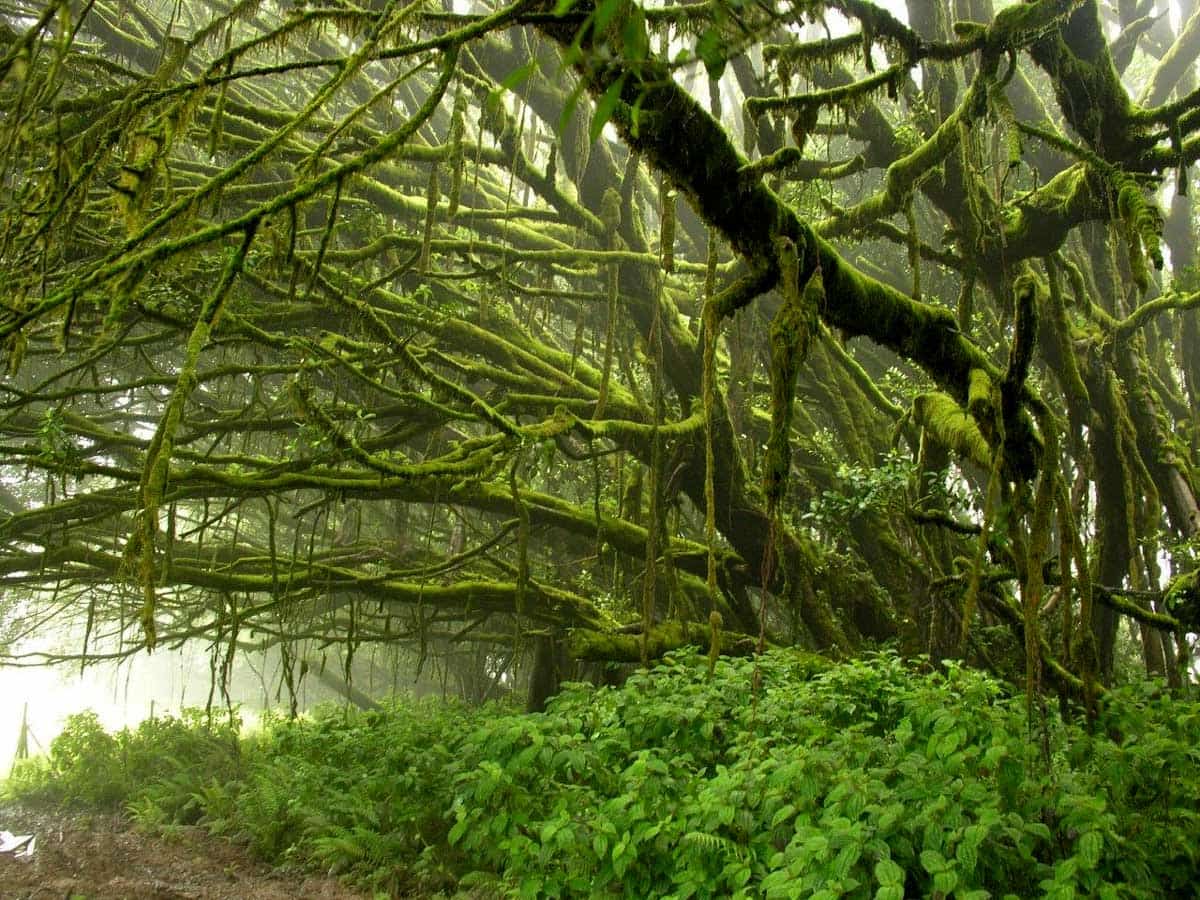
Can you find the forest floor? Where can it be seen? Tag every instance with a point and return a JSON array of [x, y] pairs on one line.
[[103, 857]]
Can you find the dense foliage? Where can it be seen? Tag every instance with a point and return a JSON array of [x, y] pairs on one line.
[[870, 779]]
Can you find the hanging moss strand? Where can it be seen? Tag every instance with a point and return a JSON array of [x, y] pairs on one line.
[[327, 233], [914, 249], [666, 196], [710, 267], [610, 215], [432, 194], [990, 504], [654, 522], [523, 527], [965, 308], [457, 155], [218, 117], [791, 332], [712, 325], [1034, 580]]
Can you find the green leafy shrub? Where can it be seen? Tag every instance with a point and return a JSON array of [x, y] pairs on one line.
[[874, 779], [83, 767], [156, 767], [870, 780]]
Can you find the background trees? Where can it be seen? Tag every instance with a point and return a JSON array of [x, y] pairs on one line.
[[480, 328]]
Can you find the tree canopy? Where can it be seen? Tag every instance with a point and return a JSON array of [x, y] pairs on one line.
[[602, 328]]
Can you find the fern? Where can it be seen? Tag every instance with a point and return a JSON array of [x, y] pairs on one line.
[[701, 842]]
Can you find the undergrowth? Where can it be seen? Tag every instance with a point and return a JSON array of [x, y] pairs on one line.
[[872, 779]]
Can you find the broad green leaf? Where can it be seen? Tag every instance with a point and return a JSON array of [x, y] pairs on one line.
[[710, 47], [973, 836], [1091, 847], [994, 754], [568, 110], [741, 876], [967, 856], [816, 846], [844, 861], [948, 743], [933, 861], [518, 76], [944, 882], [888, 872], [621, 858], [1039, 829], [605, 107], [500, 823], [621, 845], [606, 10], [635, 43], [785, 812]]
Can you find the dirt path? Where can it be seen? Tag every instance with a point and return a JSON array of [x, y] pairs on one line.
[[80, 857]]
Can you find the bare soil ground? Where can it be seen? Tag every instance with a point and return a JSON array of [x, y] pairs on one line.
[[102, 857]]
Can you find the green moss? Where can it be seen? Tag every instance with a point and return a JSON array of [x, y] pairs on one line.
[[952, 426], [590, 644], [1182, 598], [1067, 366], [1020, 355], [1020, 19], [792, 330], [1089, 91], [980, 400], [456, 158], [902, 175], [1143, 227]]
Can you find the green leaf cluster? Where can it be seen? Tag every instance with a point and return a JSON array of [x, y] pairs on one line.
[[860, 490]]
